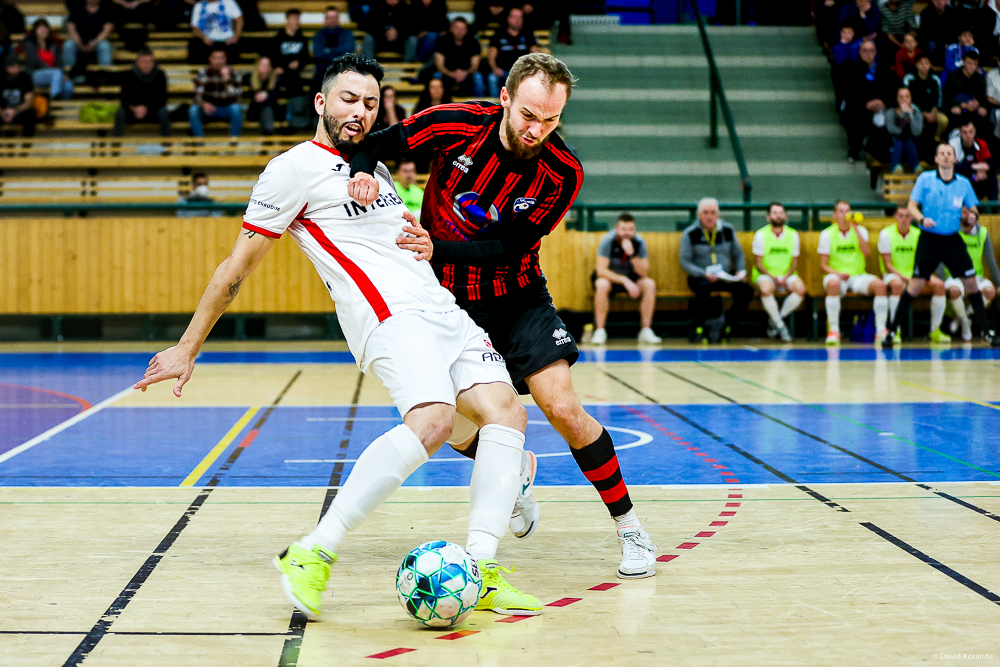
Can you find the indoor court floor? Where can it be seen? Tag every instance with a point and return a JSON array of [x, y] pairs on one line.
[[811, 506]]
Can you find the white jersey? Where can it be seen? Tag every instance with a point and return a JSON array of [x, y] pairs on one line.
[[353, 247]]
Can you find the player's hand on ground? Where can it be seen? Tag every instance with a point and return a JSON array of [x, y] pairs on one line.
[[174, 362], [632, 289], [415, 238], [363, 188]]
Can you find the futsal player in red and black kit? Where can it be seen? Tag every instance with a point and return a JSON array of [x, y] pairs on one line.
[[500, 180]]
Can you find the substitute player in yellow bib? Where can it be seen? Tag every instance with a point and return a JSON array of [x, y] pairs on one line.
[[897, 247], [843, 247], [980, 246], [776, 248]]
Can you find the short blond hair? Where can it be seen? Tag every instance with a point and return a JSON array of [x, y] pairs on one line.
[[553, 71]]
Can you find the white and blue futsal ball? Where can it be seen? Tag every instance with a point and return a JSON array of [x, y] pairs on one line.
[[438, 584]]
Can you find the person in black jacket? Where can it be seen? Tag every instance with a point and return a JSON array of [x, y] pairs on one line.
[[429, 18], [144, 96], [290, 51], [865, 95], [389, 23]]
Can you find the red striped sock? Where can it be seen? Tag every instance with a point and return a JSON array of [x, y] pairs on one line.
[[599, 464]]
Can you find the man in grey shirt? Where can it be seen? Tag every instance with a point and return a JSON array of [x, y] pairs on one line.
[[713, 259], [623, 266]]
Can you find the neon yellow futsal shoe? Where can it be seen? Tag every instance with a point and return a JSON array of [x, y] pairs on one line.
[[499, 596], [303, 576], [939, 337]]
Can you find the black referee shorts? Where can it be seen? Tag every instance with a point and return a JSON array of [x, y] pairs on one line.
[[615, 287], [932, 249], [526, 330]]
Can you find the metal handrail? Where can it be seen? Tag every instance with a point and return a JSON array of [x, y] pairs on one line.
[[718, 98]]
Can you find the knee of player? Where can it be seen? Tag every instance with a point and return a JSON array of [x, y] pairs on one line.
[[878, 288], [954, 292], [833, 287], [647, 284], [602, 286], [563, 412], [896, 287], [989, 293]]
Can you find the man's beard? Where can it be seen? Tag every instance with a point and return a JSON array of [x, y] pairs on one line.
[[519, 150], [334, 130], [778, 223]]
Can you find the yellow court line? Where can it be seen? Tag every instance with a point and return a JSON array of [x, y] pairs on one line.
[[219, 448], [946, 393]]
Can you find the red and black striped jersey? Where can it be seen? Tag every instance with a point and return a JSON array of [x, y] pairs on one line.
[[486, 210]]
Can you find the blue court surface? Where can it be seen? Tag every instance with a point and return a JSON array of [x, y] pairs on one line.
[[784, 442]]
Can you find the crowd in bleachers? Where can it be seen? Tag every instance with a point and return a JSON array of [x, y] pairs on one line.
[[238, 74], [905, 80]]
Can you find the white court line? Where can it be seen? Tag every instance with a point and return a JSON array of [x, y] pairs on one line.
[[59, 428], [642, 439]]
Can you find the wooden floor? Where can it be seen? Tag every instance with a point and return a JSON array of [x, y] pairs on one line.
[[856, 520]]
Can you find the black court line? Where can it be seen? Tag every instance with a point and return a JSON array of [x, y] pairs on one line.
[[103, 625], [297, 624], [809, 435], [936, 564], [975, 508], [690, 422]]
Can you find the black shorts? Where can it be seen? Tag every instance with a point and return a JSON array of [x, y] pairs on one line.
[[932, 249], [615, 287], [527, 331]]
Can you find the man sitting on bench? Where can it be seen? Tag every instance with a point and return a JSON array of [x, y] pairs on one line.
[[623, 266]]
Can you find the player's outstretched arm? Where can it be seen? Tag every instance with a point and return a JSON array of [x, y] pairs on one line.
[[178, 361]]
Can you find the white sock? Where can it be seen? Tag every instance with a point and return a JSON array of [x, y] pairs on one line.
[[627, 520], [791, 304], [938, 304], [833, 313], [380, 470], [893, 304], [496, 478], [958, 305], [771, 306], [881, 308]]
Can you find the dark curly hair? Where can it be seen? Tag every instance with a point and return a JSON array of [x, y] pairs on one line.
[[351, 62]]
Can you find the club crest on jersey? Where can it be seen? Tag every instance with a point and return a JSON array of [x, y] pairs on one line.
[[463, 162], [522, 204], [467, 208]]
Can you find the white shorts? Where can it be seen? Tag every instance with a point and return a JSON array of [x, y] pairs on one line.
[[982, 281], [892, 277], [858, 284], [429, 357], [779, 289]]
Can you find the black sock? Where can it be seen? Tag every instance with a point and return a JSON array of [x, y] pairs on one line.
[[979, 308], [902, 310], [599, 464], [470, 451]]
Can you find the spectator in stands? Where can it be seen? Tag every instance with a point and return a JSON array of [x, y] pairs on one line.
[[543, 14], [389, 23], [253, 20], [489, 14], [842, 249], [865, 90], [926, 92], [430, 19], [954, 55], [390, 111], [143, 97], [262, 87], [623, 268], [17, 97], [11, 18], [43, 60], [827, 15], [217, 93], [974, 160], [965, 92], [938, 28], [906, 57], [982, 16], [332, 41], [897, 20], [290, 51], [712, 257], [433, 94], [905, 124], [776, 249], [216, 24], [407, 188], [125, 12], [457, 57], [864, 16], [842, 58], [506, 46], [88, 27], [993, 96]]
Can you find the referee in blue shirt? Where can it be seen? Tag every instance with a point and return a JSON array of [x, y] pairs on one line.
[[938, 203]]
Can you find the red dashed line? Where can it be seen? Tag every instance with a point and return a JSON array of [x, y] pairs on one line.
[[733, 504], [666, 558], [458, 635], [735, 495], [603, 587], [564, 602], [687, 545], [388, 654], [718, 523], [705, 533], [512, 619], [727, 513]]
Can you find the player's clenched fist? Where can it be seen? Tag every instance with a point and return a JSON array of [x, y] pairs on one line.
[[363, 188], [174, 362]]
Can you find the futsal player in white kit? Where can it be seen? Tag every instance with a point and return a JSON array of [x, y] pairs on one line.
[[402, 327]]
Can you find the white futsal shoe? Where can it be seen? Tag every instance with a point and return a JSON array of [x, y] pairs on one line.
[[600, 337], [638, 553], [647, 336], [524, 518]]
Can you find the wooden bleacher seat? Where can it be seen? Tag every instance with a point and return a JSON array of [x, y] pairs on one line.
[[897, 187]]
